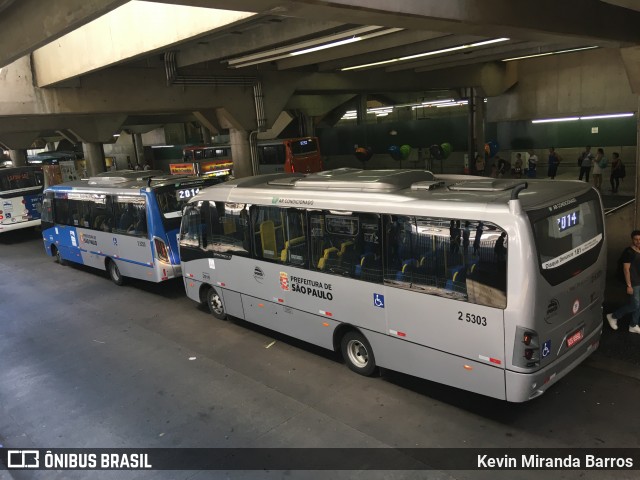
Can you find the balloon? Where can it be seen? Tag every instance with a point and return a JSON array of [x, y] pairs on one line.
[[493, 148], [446, 148], [405, 150], [436, 152], [364, 153], [395, 153]]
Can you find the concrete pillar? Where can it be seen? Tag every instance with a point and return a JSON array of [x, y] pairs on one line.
[[241, 153], [18, 157], [362, 109], [205, 135], [476, 127], [139, 149], [94, 157]]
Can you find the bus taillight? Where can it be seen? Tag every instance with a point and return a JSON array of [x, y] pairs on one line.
[[526, 339], [161, 250]]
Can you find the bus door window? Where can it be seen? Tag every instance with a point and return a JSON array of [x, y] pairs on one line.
[[229, 229], [61, 210], [295, 249], [47, 211], [269, 231], [368, 249], [335, 250]]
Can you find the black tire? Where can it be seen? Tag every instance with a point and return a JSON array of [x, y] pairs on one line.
[[214, 302], [358, 354], [59, 259], [114, 273]]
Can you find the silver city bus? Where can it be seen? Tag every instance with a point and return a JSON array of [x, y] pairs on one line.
[[490, 285]]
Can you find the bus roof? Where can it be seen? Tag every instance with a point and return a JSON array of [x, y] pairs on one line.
[[369, 189], [127, 180]]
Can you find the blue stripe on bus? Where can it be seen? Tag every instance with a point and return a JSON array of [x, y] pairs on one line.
[[117, 258]]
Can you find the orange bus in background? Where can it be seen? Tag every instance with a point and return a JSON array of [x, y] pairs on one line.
[[280, 155], [204, 160], [300, 155]]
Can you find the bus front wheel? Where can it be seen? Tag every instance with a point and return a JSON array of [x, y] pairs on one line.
[[215, 304], [59, 259], [114, 273], [358, 354]]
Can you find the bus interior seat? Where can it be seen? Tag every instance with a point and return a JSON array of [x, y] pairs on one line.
[[97, 222], [408, 267], [329, 254], [228, 225], [290, 246], [268, 240]]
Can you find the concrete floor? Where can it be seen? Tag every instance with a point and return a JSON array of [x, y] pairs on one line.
[[88, 364]]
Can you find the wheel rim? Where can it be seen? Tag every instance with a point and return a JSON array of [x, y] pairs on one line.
[[216, 304], [358, 354], [115, 273]]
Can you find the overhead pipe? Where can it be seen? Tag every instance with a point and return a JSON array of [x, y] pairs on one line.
[[173, 78]]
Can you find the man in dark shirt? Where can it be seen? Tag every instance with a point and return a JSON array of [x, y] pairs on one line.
[[631, 269]]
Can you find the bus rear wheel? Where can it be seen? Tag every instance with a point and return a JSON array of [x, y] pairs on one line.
[[358, 354], [114, 273], [214, 302]]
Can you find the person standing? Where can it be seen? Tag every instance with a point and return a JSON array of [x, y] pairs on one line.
[[533, 164], [466, 234], [584, 161], [631, 270], [476, 240], [517, 166], [554, 161], [480, 165], [616, 172], [599, 164]]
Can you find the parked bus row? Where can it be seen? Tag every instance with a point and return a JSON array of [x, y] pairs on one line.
[[493, 286], [287, 155]]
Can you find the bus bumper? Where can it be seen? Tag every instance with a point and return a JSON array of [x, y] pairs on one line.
[[7, 227], [521, 387]]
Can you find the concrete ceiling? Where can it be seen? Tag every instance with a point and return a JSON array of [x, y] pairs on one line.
[[395, 37]]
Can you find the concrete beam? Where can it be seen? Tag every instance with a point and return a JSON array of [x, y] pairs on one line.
[[97, 129], [546, 20], [29, 24], [133, 30], [209, 120], [18, 140]]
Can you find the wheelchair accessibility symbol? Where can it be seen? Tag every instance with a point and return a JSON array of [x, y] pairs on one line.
[[546, 348], [378, 300]]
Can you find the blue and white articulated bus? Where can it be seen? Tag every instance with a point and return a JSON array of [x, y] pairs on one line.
[[20, 197], [490, 285], [125, 222]]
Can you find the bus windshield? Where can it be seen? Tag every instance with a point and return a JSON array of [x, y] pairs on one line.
[[568, 236], [171, 199], [304, 146]]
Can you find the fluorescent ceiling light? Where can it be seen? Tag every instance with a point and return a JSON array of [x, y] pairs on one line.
[[425, 54], [320, 43], [549, 120], [588, 117], [549, 53], [327, 45], [612, 115]]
